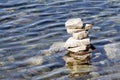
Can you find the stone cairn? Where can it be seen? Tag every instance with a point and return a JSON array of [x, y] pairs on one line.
[[78, 46]]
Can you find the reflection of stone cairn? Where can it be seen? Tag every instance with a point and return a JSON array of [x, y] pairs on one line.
[[78, 46]]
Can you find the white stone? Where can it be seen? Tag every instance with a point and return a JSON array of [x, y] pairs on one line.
[[88, 26], [80, 35], [77, 49], [74, 23], [71, 31], [71, 42]]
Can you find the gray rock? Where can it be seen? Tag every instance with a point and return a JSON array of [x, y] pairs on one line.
[[36, 60], [88, 26], [80, 35], [74, 23], [77, 49], [54, 48], [112, 50], [71, 42], [57, 46], [71, 31]]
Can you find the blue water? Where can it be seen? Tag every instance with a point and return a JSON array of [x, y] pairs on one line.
[[28, 27]]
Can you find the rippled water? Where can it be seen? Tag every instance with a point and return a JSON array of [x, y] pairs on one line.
[[29, 27]]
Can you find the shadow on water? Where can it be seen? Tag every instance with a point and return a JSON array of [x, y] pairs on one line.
[[29, 28]]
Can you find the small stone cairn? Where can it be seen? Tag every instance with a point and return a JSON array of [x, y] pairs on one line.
[[78, 46]]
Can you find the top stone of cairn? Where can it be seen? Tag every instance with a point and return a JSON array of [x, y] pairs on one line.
[[74, 23]]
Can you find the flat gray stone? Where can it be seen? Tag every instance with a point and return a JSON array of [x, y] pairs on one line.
[[74, 23], [112, 50], [71, 42], [71, 31], [80, 35]]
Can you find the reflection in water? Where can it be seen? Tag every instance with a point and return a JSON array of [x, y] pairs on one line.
[[30, 26], [77, 67], [79, 70]]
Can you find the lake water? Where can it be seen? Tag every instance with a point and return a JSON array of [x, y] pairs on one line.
[[29, 27]]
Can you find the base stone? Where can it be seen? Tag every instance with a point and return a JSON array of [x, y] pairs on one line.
[[70, 61]]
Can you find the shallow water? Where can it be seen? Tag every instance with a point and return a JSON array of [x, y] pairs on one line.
[[29, 27]]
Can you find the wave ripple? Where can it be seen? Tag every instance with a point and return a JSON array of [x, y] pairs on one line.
[[28, 28]]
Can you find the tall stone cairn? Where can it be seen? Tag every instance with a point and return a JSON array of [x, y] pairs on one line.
[[78, 46]]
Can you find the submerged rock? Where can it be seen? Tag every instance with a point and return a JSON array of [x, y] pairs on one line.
[[71, 61], [57, 46], [112, 50], [78, 53], [37, 60]]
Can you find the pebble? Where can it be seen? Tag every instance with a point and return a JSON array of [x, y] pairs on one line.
[[88, 26]]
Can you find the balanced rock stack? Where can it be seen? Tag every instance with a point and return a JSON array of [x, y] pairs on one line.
[[78, 46]]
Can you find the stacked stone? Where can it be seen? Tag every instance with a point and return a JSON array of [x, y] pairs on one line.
[[78, 46]]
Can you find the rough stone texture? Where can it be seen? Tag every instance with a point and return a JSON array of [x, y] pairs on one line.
[[88, 27], [71, 31], [77, 49], [71, 42], [80, 35], [78, 46], [74, 23]]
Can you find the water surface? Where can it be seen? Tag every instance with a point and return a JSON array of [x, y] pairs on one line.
[[29, 27]]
